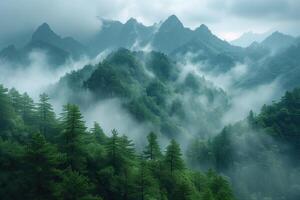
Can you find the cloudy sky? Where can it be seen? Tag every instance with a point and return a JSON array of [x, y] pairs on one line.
[[226, 18]]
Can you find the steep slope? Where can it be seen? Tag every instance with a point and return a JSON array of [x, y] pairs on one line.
[[45, 34], [262, 147], [10, 53], [170, 35], [283, 66], [152, 89], [217, 55], [278, 41]]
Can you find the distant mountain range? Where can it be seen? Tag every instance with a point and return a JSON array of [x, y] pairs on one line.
[[248, 38], [58, 49], [170, 37]]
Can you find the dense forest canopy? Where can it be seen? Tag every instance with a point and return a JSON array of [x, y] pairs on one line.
[[49, 157]]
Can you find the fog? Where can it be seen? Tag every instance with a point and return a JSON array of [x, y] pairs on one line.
[[258, 156], [39, 76], [242, 100]]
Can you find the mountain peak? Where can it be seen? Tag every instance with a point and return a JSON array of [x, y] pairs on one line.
[[278, 36], [277, 33], [278, 40], [131, 21], [44, 33], [203, 30], [44, 26], [172, 22]]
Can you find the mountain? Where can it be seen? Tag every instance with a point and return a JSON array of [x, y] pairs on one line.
[[44, 39], [46, 35], [149, 88], [170, 35], [10, 53], [265, 146], [218, 55], [283, 67], [248, 38], [278, 41], [114, 34], [256, 51]]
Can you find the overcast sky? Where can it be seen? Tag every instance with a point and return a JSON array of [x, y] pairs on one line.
[[226, 18]]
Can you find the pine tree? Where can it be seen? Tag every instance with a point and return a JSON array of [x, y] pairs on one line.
[[12, 173], [73, 130], [121, 157], [173, 157], [152, 151], [28, 110], [127, 160], [42, 159], [98, 133], [6, 111], [207, 194], [16, 100], [75, 186], [147, 186], [46, 115], [112, 148]]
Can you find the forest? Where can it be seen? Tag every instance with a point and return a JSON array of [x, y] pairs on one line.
[[49, 157], [149, 100]]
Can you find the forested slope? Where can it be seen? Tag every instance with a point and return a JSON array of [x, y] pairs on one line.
[[45, 157]]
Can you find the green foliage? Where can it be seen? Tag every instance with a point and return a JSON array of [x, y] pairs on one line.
[[98, 133], [152, 150], [46, 117], [264, 146], [64, 161], [150, 88], [173, 157], [73, 129], [42, 160], [6, 111], [74, 186]]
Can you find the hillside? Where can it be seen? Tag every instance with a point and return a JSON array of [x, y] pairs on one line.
[[152, 89], [263, 146], [49, 158]]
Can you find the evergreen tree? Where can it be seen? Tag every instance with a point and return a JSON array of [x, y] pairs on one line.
[[28, 111], [46, 115], [75, 186], [12, 171], [98, 133], [16, 100], [6, 112], [112, 148], [73, 130], [127, 160], [207, 194], [147, 187], [173, 157], [42, 159], [152, 151]]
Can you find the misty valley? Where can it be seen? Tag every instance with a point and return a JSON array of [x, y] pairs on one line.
[[149, 112]]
